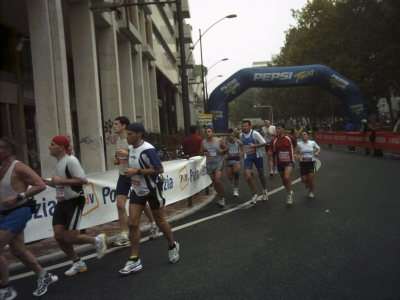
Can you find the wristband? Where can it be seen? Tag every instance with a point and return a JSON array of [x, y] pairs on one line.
[[21, 196]]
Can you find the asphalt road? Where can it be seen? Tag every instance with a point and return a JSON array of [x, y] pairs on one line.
[[343, 244]]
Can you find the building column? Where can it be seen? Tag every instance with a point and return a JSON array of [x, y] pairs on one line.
[[147, 98], [138, 88], [87, 86], [126, 80], [162, 111], [50, 75], [153, 97], [110, 87]]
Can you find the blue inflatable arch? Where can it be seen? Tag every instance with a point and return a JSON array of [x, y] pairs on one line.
[[320, 75]]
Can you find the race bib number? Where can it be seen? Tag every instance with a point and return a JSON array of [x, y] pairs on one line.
[[306, 156], [284, 156], [135, 180], [212, 153], [249, 150], [233, 152], [60, 196], [122, 158]]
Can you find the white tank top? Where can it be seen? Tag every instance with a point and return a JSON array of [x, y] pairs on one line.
[[6, 190]]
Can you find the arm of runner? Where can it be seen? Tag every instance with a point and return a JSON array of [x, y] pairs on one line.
[[223, 148], [67, 181], [259, 139], [201, 151], [241, 151]]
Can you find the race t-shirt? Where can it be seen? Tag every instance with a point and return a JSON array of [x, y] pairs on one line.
[[253, 137], [307, 150], [283, 147]]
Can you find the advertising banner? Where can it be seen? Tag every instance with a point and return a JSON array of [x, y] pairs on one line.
[[384, 140], [184, 178]]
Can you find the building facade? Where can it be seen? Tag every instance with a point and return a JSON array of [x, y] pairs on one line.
[[68, 68]]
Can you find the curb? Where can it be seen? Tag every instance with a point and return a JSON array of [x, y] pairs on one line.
[[83, 248]]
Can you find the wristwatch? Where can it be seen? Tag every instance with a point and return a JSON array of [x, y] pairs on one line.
[[139, 172], [20, 197]]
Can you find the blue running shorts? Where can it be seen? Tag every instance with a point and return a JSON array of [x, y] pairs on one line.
[[15, 220]]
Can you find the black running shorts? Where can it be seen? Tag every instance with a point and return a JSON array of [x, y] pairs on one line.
[[69, 213]]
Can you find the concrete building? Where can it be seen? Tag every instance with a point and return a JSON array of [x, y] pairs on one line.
[[67, 69]]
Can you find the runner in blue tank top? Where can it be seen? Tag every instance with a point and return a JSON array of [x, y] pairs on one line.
[[253, 141]]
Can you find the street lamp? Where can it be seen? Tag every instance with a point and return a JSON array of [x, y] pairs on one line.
[[268, 106], [107, 7], [206, 93], [207, 83]]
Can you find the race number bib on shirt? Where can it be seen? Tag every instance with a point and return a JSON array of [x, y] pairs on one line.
[[284, 156], [249, 150], [233, 152], [212, 153], [306, 156], [135, 180], [60, 196]]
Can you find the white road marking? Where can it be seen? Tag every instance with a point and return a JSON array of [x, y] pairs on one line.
[[244, 205]]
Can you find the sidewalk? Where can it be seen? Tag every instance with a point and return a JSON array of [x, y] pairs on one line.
[[47, 249]]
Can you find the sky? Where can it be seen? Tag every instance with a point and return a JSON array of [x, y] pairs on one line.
[[257, 32]]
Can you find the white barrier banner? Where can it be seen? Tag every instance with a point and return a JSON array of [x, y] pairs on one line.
[[184, 178]]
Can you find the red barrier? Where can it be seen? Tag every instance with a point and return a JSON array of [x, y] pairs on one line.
[[384, 140]]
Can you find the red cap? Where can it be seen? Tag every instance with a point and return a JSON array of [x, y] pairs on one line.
[[63, 140]]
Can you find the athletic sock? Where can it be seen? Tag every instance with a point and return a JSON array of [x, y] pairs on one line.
[[134, 258], [76, 260], [172, 247], [41, 276]]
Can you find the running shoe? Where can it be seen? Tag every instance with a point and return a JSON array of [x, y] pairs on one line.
[[265, 196], [306, 185], [44, 283], [222, 202], [122, 240], [289, 200], [101, 247], [311, 195], [174, 254], [253, 199], [235, 193], [154, 231], [8, 293], [275, 171], [131, 267], [271, 174], [78, 267]]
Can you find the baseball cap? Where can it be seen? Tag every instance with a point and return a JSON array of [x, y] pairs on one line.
[[135, 127]]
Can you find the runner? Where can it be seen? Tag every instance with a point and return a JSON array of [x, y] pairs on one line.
[[15, 178], [144, 169], [305, 154], [124, 185], [232, 160], [252, 142], [269, 132], [213, 149], [68, 180], [283, 146]]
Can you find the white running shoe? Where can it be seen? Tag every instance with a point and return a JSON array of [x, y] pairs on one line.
[[311, 195], [235, 193], [131, 267], [8, 293], [253, 199], [154, 231], [122, 241], [289, 200], [101, 247], [265, 196], [222, 202], [275, 171], [174, 254], [78, 267], [44, 283]]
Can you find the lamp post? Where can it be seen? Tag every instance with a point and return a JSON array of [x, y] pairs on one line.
[[207, 83], [104, 7], [206, 94], [271, 110]]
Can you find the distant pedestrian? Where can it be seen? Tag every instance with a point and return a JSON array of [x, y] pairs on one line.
[[364, 129], [252, 143], [377, 127], [191, 143], [350, 128], [124, 185], [17, 183], [144, 169], [269, 132], [296, 131], [213, 148], [68, 180], [233, 157]]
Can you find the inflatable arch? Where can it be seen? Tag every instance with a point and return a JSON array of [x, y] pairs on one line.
[[326, 78]]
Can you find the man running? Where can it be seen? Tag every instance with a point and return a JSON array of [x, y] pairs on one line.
[[305, 155], [143, 169], [269, 132], [213, 149], [232, 159], [15, 178], [68, 180], [283, 146], [296, 131], [252, 142], [124, 185]]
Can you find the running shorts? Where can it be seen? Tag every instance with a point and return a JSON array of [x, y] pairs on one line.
[[154, 198], [123, 185], [69, 213], [281, 167], [16, 220], [307, 167], [258, 162]]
